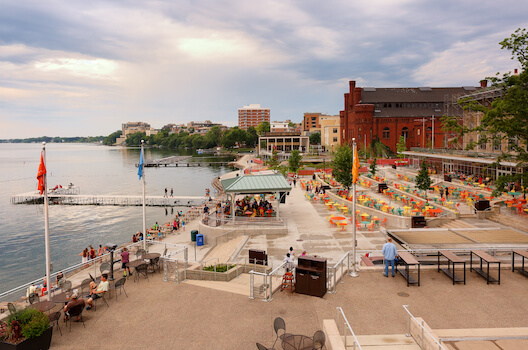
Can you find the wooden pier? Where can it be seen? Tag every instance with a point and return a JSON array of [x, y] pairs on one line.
[[117, 200], [179, 161]]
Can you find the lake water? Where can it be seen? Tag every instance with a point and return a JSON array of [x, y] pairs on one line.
[[95, 169]]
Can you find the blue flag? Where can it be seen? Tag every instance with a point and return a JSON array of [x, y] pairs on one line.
[[140, 166]]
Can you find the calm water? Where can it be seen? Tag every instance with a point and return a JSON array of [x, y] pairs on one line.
[[95, 169]]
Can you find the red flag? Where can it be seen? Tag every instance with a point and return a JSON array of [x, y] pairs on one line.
[[41, 173]]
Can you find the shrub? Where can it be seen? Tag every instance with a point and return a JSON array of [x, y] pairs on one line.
[[32, 322]]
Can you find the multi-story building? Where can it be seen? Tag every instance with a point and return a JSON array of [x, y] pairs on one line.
[[330, 131], [279, 127], [283, 143], [133, 127], [388, 113], [311, 121], [203, 127], [252, 115]]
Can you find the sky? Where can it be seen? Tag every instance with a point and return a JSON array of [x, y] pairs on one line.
[[82, 68]]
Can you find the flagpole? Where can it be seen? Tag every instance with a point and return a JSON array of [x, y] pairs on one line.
[[144, 206], [354, 272], [46, 226]]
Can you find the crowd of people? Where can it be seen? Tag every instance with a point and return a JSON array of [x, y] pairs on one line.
[[250, 206], [90, 254]]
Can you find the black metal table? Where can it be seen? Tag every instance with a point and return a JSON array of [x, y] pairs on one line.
[[408, 260], [43, 305], [524, 255], [452, 259], [297, 342], [489, 260]]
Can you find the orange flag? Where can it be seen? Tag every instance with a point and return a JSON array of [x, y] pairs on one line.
[[355, 166], [41, 173]]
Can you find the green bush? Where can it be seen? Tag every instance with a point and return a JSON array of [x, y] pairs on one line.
[[33, 322], [219, 267]]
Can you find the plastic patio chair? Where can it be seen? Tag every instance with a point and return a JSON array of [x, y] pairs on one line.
[[121, 285], [55, 317]]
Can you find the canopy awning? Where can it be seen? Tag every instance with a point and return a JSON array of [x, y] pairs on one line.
[[255, 184]]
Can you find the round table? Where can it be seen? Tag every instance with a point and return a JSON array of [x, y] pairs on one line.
[[135, 263], [297, 342], [337, 218], [43, 305], [62, 298], [150, 256]]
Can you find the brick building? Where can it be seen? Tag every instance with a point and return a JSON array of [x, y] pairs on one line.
[[390, 112], [252, 115]]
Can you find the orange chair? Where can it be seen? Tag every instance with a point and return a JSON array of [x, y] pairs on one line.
[[287, 282], [384, 223], [371, 226]]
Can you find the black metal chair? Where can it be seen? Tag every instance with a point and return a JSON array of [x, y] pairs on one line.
[[319, 340], [12, 308], [55, 317], [120, 283], [74, 312], [85, 285], [67, 286], [262, 347], [103, 298], [33, 298], [279, 324], [105, 267], [155, 263], [142, 270], [140, 252]]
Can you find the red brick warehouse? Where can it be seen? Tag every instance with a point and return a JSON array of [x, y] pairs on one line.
[[390, 112]]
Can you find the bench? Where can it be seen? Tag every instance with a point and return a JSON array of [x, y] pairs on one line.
[[524, 255], [408, 260], [452, 259], [489, 260], [369, 261]]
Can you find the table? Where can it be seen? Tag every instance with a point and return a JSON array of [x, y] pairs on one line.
[[406, 210], [337, 218], [62, 298], [43, 305], [297, 342], [150, 256], [451, 259], [524, 255], [489, 260], [408, 260]]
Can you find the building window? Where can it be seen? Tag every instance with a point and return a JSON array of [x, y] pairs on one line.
[[335, 139], [405, 132], [418, 132], [386, 133], [335, 131]]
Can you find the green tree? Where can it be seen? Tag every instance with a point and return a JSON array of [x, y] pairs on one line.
[[342, 165], [263, 127], [135, 138], [373, 167], [273, 162], [294, 161], [111, 139], [251, 137], [214, 135], [315, 138], [400, 146], [233, 136], [423, 180]]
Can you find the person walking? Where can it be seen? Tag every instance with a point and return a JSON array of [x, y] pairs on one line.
[[165, 192], [389, 253], [172, 192]]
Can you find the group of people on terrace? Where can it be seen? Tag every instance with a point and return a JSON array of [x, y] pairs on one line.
[[90, 254], [254, 206]]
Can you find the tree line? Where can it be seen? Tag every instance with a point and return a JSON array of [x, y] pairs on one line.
[[58, 139]]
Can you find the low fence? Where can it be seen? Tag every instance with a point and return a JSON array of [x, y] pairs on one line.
[[265, 289], [347, 328], [421, 333]]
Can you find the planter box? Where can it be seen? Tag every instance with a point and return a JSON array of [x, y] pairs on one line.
[[39, 343]]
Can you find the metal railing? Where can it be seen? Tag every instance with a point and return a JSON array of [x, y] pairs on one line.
[[346, 325], [423, 331], [266, 287], [333, 278]]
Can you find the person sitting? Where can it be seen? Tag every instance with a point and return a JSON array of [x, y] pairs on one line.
[[97, 292], [75, 301]]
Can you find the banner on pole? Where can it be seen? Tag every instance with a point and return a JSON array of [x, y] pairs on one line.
[[41, 173], [140, 166], [355, 166]]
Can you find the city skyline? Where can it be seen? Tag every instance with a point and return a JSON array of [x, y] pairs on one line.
[[68, 69]]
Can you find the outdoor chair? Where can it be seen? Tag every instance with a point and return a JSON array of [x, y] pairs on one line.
[[55, 317], [105, 267], [262, 347], [279, 324], [67, 286], [33, 298], [12, 308], [74, 312], [140, 252], [155, 263], [142, 270], [103, 298], [121, 285], [164, 252], [319, 340], [85, 284]]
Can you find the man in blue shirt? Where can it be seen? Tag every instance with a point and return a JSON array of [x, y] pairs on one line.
[[390, 253]]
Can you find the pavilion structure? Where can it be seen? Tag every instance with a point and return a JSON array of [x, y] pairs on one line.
[[274, 184]]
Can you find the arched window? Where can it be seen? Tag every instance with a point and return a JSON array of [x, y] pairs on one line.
[[386, 133], [405, 132]]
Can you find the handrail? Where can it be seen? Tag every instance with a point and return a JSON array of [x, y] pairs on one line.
[[440, 346], [347, 324]]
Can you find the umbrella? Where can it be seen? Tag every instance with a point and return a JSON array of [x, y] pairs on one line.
[[514, 193]]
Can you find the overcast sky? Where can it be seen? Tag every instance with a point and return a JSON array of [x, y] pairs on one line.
[[80, 68]]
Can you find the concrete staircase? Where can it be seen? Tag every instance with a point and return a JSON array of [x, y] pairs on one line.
[[515, 221]]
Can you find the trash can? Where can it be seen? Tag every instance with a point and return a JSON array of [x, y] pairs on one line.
[[193, 235], [199, 239]]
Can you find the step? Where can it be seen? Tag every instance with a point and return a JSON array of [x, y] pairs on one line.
[[384, 342]]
